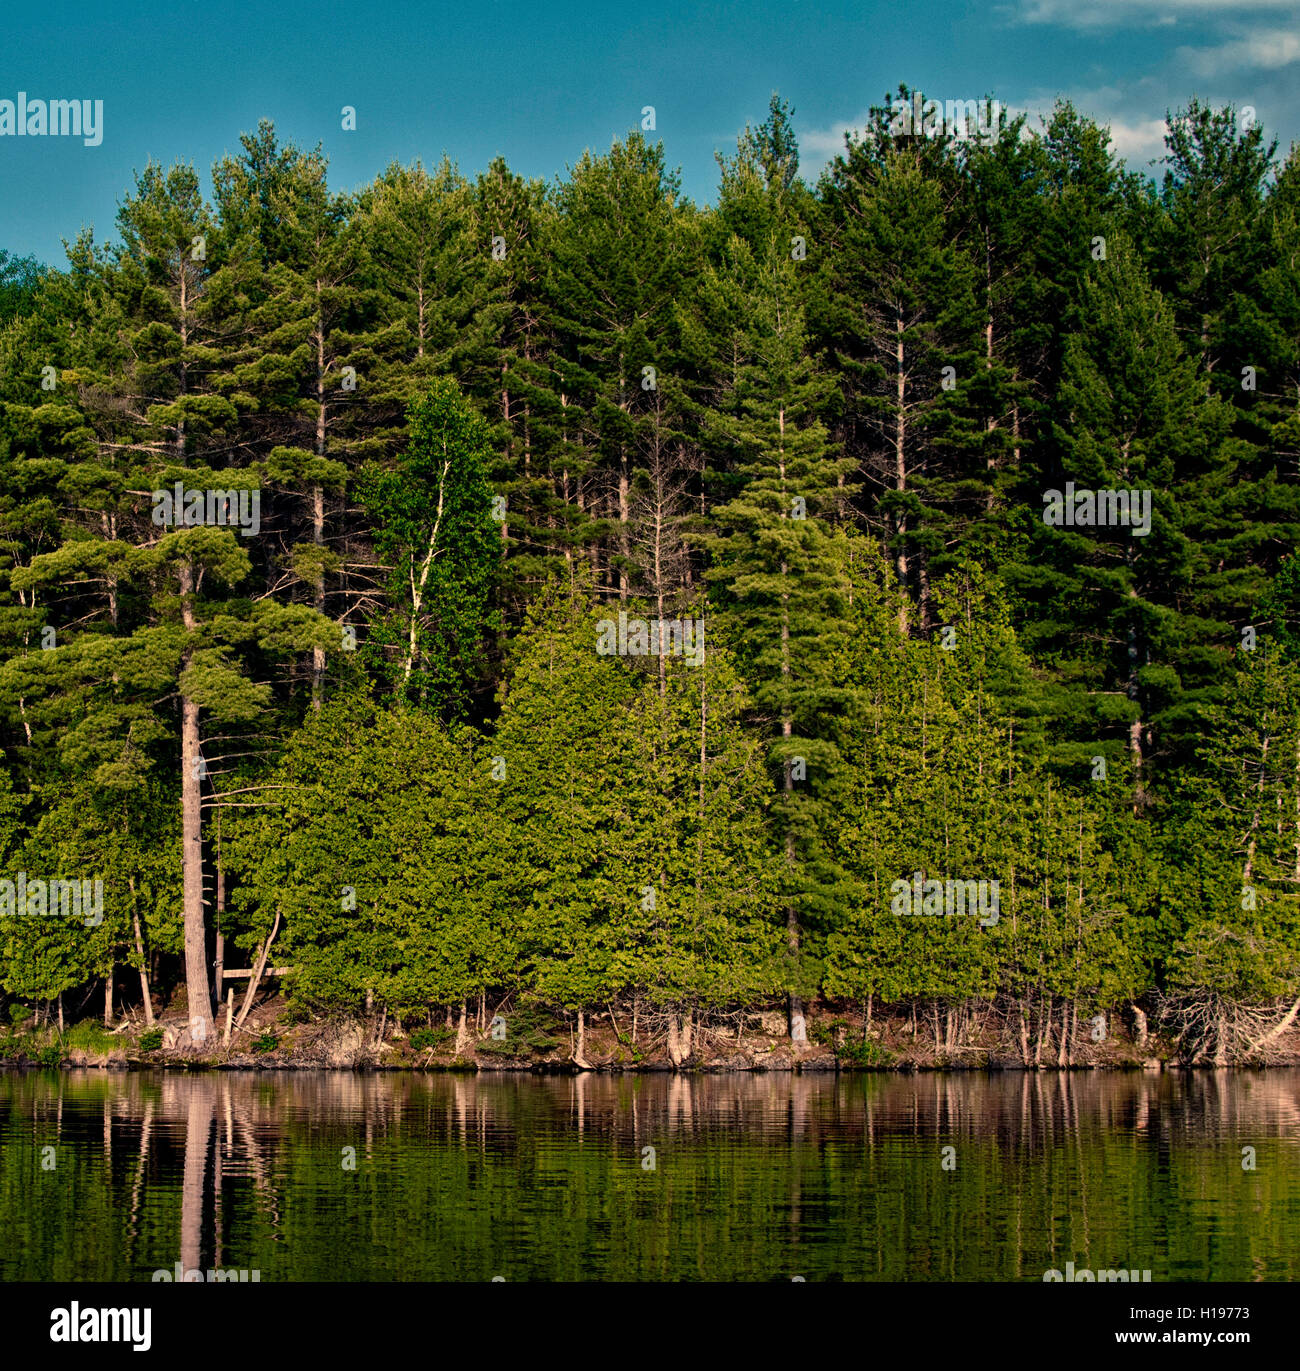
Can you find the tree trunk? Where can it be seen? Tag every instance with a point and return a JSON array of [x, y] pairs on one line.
[[1220, 1037], [108, 1000], [679, 1037], [318, 499], [1139, 1027], [218, 970], [198, 993], [900, 471], [144, 965], [1135, 730], [1278, 1029], [418, 587], [1044, 1018], [256, 979], [579, 1052]]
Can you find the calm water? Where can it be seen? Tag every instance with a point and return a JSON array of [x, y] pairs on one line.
[[336, 1176]]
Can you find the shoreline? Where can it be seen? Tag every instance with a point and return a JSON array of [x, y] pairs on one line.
[[786, 1063], [276, 1040], [569, 1069]]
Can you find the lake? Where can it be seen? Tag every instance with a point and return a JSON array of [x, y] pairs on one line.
[[737, 1177]]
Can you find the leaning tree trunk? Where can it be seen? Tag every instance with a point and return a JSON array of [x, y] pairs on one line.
[[1277, 1030], [259, 969]]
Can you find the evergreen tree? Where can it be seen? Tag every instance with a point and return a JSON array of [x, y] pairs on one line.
[[780, 590]]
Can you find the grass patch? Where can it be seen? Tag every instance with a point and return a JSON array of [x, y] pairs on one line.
[[90, 1036], [48, 1047]]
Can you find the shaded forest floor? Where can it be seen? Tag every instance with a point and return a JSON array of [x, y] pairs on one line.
[[271, 1039]]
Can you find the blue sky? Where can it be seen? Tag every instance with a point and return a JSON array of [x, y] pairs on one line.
[[538, 82]]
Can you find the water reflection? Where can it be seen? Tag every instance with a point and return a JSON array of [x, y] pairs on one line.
[[747, 1176]]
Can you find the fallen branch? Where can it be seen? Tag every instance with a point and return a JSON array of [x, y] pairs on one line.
[[1277, 1030], [257, 977]]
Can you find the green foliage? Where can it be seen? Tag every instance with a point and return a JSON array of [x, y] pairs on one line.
[[484, 419], [864, 1055], [433, 523]]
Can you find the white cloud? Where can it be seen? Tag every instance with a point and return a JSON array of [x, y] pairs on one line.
[[1093, 14], [818, 146], [1138, 140], [1135, 137], [1267, 50]]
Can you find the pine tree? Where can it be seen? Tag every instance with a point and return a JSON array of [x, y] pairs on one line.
[[1134, 417], [902, 324], [779, 588], [616, 264]]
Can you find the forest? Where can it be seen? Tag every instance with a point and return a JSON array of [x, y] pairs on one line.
[[565, 598]]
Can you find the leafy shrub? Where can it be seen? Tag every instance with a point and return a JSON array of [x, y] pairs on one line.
[[827, 1033], [151, 1040], [268, 1042], [424, 1038], [864, 1054]]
